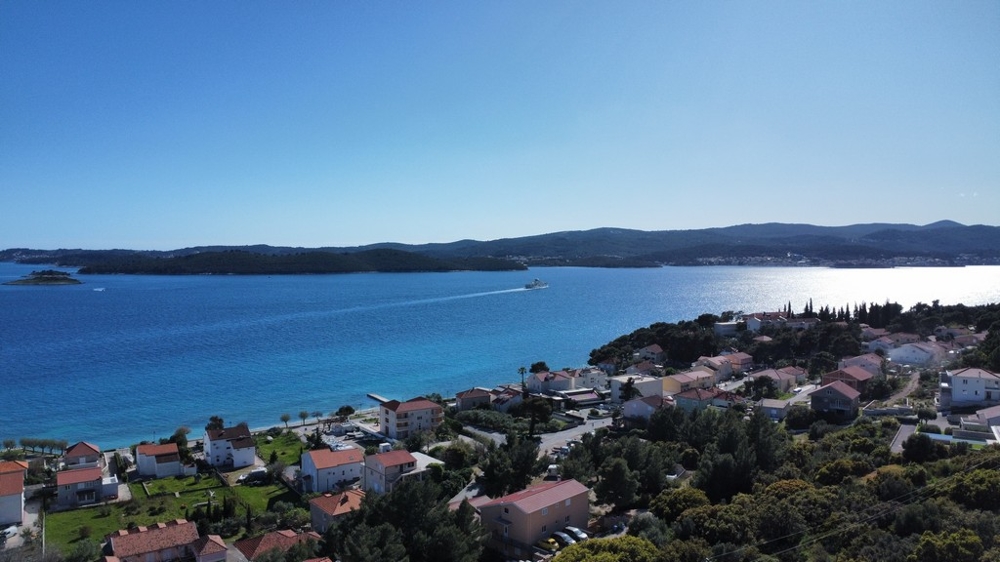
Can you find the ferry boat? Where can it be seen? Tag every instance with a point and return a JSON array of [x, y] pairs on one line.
[[536, 284]]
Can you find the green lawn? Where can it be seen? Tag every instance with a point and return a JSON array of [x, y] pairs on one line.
[[288, 445], [62, 530], [182, 485]]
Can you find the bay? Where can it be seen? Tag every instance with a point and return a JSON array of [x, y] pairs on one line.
[[145, 354]]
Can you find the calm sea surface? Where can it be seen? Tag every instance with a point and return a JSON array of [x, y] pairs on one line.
[[147, 354]]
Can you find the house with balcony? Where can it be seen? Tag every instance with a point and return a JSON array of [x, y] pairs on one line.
[[80, 486], [516, 521], [741, 362], [324, 470], [679, 382], [854, 377], [12, 492], [230, 447], [329, 508], [836, 400], [385, 470], [719, 365], [653, 353], [400, 420], [968, 388]]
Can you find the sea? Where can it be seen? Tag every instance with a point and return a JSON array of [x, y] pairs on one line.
[[124, 358]]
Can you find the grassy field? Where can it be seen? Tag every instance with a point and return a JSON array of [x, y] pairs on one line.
[[62, 530], [288, 445]]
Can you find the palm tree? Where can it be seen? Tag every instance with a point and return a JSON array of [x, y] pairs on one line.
[[285, 418]]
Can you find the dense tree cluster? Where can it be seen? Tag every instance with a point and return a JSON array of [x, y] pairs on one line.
[[412, 523]]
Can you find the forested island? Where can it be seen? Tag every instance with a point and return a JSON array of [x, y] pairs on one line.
[[46, 277], [943, 243], [237, 262]]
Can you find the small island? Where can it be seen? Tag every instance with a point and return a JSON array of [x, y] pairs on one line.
[[46, 277]]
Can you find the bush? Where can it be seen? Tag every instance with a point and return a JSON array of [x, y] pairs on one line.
[[930, 429]]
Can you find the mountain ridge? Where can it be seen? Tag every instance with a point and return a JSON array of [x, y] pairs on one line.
[[943, 242]]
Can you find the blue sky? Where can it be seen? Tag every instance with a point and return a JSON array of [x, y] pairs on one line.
[[160, 125]]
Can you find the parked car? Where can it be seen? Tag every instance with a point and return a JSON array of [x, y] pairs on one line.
[[576, 533], [563, 539], [548, 544]]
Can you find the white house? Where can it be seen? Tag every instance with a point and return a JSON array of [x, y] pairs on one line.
[[400, 420], [871, 362], [969, 387], [230, 447], [647, 386], [12, 492], [550, 381], [644, 407], [158, 461], [920, 354], [324, 470]]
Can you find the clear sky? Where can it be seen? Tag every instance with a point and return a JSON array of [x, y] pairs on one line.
[[160, 125]]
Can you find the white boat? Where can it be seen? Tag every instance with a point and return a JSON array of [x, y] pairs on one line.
[[536, 284]]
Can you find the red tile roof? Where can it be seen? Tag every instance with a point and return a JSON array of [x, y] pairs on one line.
[[13, 466], [150, 450], [547, 494], [839, 387], [473, 393], [161, 536], [325, 458], [11, 483], [228, 433], [394, 458], [323, 559], [82, 449], [252, 548], [856, 373], [411, 405], [339, 504], [243, 443], [209, 544], [67, 477]]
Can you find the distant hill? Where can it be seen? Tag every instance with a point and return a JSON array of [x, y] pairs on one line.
[[877, 244]]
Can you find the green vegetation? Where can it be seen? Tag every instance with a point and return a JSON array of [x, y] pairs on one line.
[[248, 263], [286, 445], [46, 277], [63, 529]]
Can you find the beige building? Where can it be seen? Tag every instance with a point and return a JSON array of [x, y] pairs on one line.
[[400, 420], [516, 521]]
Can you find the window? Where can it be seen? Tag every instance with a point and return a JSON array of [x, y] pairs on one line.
[[544, 528], [506, 510], [567, 519], [568, 500], [545, 511]]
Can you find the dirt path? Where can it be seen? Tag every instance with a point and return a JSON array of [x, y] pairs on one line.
[[911, 385]]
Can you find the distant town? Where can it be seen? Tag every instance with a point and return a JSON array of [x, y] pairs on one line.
[[864, 433]]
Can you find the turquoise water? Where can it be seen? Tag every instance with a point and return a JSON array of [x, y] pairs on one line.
[[147, 354]]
